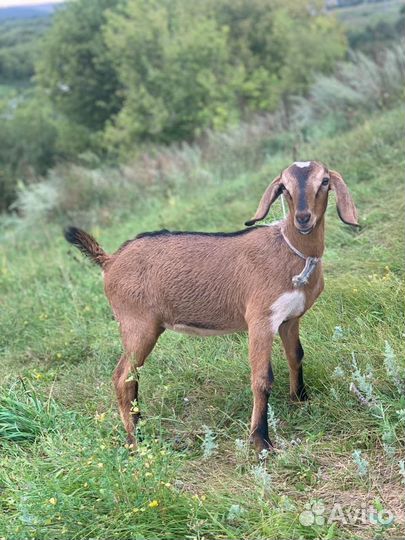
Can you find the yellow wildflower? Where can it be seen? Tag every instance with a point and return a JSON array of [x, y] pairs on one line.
[[99, 417], [153, 504], [53, 501]]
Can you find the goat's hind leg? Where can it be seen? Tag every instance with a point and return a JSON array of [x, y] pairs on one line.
[[126, 385], [138, 345], [289, 333]]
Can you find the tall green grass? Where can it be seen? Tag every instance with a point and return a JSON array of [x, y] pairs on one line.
[[23, 416]]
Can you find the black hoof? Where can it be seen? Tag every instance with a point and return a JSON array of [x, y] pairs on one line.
[[301, 395], [260, 443]]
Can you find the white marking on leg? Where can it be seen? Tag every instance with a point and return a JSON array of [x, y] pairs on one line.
[[302, 164], [288, 305]]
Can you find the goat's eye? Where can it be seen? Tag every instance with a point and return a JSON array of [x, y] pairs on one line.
[[325, 181]]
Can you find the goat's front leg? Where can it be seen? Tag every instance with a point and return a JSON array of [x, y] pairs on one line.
[[289, 333], [260, 345]]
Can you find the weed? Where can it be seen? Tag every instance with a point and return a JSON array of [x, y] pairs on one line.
[[362, 464], [208, 445]]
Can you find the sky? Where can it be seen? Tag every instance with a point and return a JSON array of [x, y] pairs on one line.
[[12, 3]]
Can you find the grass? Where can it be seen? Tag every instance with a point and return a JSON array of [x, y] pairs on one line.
[[24, 417], [193, 475]]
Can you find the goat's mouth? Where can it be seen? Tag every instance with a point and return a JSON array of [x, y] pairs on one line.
[[306, 230]]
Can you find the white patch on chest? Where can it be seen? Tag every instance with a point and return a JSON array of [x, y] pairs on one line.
[[287, 306], [302, 164]]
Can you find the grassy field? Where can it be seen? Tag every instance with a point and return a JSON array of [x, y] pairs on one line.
[[64, 469]]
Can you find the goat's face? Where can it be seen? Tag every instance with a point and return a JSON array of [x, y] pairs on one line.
[[306, 185]]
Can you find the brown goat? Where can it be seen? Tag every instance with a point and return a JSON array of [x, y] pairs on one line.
[[215, 283]]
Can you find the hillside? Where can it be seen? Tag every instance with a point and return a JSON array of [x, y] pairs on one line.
[[24, 11], [64, 469]]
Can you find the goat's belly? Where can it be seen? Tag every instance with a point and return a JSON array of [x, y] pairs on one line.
[[199, 330]]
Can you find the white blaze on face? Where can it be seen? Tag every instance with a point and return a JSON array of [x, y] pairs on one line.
[[287, 306], [302, 164]]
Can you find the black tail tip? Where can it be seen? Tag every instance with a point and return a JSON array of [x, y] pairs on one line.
[[250, 222], [71, 234]]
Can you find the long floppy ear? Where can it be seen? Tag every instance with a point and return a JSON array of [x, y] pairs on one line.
[[268, 198], [344, 202]]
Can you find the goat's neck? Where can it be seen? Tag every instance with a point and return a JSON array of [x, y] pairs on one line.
[[311, 245]]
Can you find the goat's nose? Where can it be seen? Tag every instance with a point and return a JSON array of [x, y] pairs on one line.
[[303, 217]]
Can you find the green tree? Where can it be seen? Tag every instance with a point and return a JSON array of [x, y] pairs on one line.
[[173, 59], [282, 45], [75, 70], [164, 70], [186, 66]]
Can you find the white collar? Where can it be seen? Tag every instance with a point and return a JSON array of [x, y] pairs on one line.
[[310, 264]]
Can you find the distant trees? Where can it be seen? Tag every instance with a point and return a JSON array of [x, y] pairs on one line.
[[75, 69], [19, 41], [163, 70], [372, 38], [28, 146]]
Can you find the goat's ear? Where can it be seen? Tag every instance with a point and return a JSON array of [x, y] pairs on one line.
[[344, 202], [268, 198]]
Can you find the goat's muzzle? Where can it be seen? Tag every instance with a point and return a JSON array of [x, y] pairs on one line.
[[303, 222]]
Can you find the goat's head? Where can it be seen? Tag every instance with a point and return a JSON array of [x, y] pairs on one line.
[[306, 185]]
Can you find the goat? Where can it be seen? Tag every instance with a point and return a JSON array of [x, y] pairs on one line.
[[216, 283]]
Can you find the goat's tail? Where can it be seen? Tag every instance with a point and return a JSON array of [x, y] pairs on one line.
[[87, 245]]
